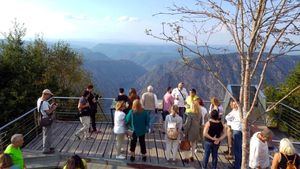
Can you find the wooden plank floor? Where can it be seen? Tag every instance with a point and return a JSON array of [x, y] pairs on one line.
[[103, 146]]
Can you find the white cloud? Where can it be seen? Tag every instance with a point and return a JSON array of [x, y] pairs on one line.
[[127, 19], [76, 17]]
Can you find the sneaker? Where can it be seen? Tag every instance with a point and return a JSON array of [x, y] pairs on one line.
[[120, 157], [132, 158], [144, 158], [89, 138], [96, 131]]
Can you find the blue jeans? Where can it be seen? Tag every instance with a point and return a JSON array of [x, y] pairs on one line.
[[212, 148], [154, 118], [237, 148]]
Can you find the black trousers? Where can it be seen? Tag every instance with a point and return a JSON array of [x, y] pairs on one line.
[[164, 115], [142, 143], [93, 119]]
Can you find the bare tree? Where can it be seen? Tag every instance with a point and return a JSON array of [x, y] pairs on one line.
[[260, 30]]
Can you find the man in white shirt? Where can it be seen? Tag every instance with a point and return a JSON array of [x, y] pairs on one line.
[[46, 110], [234, 120], [180, 94], [259, 151]]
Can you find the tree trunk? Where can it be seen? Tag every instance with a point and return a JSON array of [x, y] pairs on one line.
[[245, 104], [245, 148]]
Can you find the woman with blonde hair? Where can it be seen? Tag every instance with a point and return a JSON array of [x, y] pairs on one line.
[[286, 156], [119, 127], [138, 121], [192, 128], [173, 126], [215, 105]]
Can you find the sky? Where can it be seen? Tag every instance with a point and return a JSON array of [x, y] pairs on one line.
[[90, 20]]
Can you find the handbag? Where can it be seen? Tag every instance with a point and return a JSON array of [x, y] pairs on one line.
[[46, 121], [172, 131], [185, 145]]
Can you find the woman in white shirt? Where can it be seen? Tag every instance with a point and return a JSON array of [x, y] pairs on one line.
[[119, 127], [173, 122]]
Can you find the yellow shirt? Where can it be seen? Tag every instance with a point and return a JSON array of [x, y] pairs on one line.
[[189, 100]]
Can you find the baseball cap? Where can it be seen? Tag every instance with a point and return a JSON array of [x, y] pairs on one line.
[[47, 91]]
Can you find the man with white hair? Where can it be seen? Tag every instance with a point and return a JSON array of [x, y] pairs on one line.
[[149, 103], [46, 111], [14, 150]]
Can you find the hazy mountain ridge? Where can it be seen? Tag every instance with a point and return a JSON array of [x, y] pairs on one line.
[[147, 56], [143, 65], [110, 75], [170, 74]]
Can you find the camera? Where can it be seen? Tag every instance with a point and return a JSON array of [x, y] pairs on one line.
[[97, 97]]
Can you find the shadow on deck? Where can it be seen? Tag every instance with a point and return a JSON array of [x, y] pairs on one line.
[[101, 149]]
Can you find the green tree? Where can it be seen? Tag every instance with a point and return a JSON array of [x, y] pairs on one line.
[[26, 68]]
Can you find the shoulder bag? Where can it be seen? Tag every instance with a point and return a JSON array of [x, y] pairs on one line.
[[46, 121]]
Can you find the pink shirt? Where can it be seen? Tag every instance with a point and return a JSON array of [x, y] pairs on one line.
[[168, 101]]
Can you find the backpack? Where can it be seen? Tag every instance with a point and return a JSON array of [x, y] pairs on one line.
[[172, 131], [290, 164]]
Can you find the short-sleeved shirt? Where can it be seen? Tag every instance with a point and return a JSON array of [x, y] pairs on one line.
[[16, 155], [119, 122], [42, 108], [122, 98], [83, 101], [168, 101]]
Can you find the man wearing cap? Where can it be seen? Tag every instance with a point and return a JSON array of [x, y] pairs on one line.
[[180, 94], [46, 110], [259, 152]]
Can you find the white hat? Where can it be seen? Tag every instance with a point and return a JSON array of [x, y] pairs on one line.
[[47, 91]]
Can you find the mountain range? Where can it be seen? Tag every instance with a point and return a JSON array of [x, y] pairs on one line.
[[129, 65]]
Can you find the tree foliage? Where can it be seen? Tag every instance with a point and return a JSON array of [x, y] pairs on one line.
[[26, 68], [293, 80]]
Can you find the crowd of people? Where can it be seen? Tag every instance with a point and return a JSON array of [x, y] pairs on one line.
[[186, 124]]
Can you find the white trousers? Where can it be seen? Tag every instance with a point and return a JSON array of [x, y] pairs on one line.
[[171, 145], [85, 121]]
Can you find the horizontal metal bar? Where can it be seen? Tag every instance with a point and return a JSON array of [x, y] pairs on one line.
[[18, 118], [297, 111], [61, 97]]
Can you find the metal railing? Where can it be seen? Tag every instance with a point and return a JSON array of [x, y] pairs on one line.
[[290, 119], [27, 124]]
